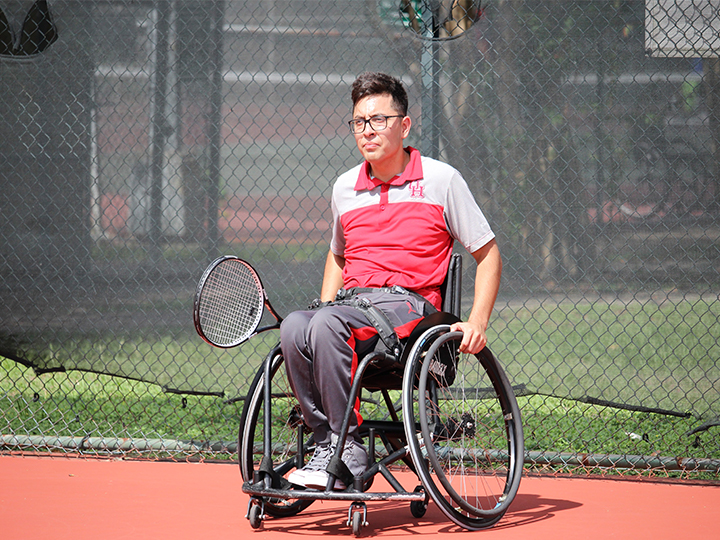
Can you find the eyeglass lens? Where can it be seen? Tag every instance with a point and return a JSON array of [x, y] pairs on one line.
[[378, 123]]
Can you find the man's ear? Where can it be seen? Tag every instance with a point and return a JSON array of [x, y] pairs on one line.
[[406, 125]]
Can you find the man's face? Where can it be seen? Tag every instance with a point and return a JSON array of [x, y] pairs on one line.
[[383, 146]]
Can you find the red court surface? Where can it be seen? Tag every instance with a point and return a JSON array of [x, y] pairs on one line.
[[72, 498]]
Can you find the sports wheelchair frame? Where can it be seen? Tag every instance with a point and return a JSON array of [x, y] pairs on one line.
[[456, 424]]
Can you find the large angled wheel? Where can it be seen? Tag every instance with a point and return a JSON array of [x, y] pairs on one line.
[[468, 441], [285, 427]]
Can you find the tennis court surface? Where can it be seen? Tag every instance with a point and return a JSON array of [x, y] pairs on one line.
[[79, 498]]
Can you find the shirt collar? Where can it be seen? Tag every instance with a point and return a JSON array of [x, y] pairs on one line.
[[412, 172]]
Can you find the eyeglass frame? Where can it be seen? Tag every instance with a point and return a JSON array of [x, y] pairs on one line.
[[367, 121]]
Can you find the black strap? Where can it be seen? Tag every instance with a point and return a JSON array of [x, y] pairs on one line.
[[342, 294], [380, 321], [385, 329]]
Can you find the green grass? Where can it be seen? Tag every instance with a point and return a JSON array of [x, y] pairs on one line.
[[184, 364], [81, 404], [640, 353], [658, 355], [553, 423]]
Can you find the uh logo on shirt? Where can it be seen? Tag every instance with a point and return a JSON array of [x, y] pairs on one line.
[[417, 191]]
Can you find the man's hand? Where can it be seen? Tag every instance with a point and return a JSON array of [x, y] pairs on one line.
[[474, 338]]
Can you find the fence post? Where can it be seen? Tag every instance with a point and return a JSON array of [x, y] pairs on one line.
[[215, 131], [430, 66]]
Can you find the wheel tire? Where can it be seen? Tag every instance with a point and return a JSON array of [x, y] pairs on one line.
[[284, 433], [418, 508], [255, 516], [464, 404], [357, 523]]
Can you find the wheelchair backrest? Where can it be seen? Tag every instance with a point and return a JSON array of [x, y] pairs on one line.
[[451, 289]]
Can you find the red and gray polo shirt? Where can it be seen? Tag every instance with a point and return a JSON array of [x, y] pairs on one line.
[[401, 232]]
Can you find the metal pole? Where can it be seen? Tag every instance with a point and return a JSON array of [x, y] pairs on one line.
[[157, 131], [430, 72], [214, 135]]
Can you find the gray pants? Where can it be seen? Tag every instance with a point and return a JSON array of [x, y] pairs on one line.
[[322, 349]]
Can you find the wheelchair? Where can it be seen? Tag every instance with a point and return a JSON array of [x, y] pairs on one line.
[[450, 418]]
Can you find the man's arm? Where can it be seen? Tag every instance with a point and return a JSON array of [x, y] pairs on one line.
[[332, 278], [487, 284]]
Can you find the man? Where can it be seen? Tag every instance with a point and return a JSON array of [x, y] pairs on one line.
[[395, 219]]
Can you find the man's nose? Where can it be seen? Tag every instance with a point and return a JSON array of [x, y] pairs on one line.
[[368, 127]]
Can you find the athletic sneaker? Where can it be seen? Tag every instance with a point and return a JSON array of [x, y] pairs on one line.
[[354, 456], [319, 461]]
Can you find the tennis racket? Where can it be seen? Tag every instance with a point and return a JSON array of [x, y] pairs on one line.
[[229, 303]]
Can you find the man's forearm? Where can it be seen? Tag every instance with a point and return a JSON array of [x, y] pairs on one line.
[[332, 278], [487, 284]]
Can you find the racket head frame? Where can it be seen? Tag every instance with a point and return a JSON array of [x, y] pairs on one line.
[[264, 302]]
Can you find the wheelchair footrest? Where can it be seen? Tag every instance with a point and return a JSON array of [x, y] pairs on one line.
[[257, 490]]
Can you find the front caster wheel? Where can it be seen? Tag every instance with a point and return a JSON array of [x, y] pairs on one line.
[[357, 517], [255, 516], [418, 508], [357, 523]]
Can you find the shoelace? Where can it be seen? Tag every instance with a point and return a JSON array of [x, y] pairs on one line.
[[320, 458]]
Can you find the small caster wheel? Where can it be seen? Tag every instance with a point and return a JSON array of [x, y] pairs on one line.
[[357, 523], [418, 508], [255, 516], [357, 517]]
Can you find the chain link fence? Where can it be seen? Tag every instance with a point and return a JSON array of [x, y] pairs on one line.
[[149, 137]]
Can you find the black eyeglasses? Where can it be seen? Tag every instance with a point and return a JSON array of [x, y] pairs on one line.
[[377, 122]]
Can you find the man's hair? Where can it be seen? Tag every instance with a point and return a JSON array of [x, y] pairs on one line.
[[372, 84]]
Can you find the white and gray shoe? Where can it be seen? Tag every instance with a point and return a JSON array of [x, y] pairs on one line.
[[355, 458], [319, 461]]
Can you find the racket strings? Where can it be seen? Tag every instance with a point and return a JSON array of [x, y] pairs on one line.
[[231, 305]]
